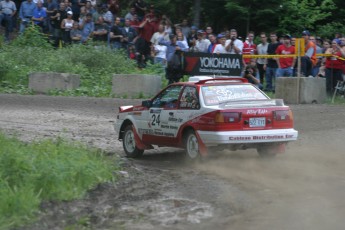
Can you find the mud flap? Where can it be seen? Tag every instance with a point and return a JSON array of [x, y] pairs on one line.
[[138, 142], [202, 147]]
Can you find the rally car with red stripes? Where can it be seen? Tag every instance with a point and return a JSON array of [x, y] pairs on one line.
[[206, 115]]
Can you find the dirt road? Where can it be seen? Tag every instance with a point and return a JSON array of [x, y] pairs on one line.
[[302, 189]]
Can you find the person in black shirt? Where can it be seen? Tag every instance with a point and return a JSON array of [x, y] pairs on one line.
[[272, 66]]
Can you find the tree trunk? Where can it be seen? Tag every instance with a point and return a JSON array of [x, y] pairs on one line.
[[197, 9]]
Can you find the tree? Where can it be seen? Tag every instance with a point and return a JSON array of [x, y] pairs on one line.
[[299, 15]]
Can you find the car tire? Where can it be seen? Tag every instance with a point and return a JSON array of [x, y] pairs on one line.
[[267, 151], [191, 145], [129, 144]]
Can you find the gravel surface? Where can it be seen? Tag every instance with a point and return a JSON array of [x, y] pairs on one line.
[[301, 189]]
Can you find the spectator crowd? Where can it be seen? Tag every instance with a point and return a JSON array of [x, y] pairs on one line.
[[148, 35]]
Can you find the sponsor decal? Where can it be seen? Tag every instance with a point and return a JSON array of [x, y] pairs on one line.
[[169, 127], [155, 110], [173, 119], [260, 137], [145, 131], [256, 111]]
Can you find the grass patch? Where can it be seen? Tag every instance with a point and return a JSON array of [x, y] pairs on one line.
[[96, 65], [46, 170]]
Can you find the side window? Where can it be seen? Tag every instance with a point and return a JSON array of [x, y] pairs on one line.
[[189, 98], [168, 98]]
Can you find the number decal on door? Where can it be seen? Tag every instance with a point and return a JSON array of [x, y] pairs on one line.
[[155, 119]]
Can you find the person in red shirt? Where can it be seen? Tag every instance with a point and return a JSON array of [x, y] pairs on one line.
[[249, 47], [285, 64], [334, 65]]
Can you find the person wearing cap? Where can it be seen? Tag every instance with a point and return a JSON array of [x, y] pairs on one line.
[[309, 59], [221, 47], [285, 64], [66, 27], [201, 44], [173, 71], [334, 65], [39, 15]]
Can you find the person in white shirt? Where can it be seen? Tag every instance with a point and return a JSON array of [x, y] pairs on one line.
[[157, 36], [202, 44], [234, 45], [221, 47]]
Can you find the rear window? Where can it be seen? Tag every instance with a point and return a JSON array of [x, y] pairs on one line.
[[217, 94]]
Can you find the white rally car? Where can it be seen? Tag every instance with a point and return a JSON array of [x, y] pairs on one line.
[[201, 115]]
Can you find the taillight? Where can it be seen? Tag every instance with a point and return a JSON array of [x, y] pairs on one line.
[[282, 115], [227, 117]]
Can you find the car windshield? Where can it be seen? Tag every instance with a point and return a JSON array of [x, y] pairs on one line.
[[218, 94]]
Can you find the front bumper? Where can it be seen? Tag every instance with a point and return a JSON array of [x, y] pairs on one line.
[[253, 136]]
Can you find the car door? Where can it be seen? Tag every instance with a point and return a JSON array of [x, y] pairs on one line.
[[163, 105]]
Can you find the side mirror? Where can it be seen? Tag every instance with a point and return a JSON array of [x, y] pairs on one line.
[[146, 103]]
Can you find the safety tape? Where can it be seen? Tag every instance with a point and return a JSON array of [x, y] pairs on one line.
[[287, 56]]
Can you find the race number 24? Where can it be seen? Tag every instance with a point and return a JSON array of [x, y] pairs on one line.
[[155, 119]]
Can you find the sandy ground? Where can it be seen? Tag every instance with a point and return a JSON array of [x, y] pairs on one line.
[[301, 189]]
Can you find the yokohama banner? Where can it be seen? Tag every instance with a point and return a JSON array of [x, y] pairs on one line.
[[212, 64]]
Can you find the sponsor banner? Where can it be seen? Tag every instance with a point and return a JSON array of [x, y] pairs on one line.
[[262, 138], [213, 64]]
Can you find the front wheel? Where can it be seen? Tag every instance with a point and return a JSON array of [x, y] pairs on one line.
[[129, 144], [191, 145]]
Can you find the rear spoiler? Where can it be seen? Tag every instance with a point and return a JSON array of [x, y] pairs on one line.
[[229, 80]]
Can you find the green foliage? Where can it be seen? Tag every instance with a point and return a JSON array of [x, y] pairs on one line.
[[95, 66], [32, 37], [46, 170], [304, 14]]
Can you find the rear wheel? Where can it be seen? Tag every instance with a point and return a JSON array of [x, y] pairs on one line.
[[191, 145], [129, 144]]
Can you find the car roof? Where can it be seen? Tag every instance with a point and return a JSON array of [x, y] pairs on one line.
[[209, 80]]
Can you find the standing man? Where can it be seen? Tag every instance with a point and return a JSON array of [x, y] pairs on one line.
[[202, 44], [261, 49], [285, 64], [87, 28], [116, 35], [309, 59], [40, 15], [234, 45], [272, 66], [220, 48], [7, 11], [249, 47], [26, 12], [174, 70], [214, 42]]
